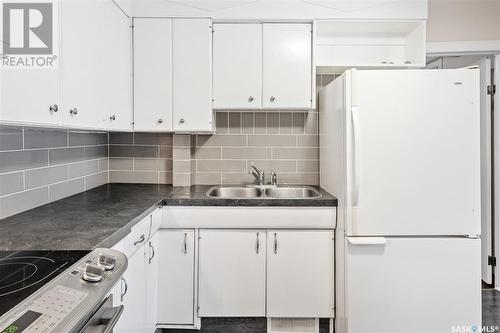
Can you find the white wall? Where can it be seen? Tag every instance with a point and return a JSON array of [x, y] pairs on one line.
[[463, 20]]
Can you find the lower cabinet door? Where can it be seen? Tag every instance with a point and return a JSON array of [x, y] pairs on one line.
[[232, 273], [134, 300], [176, 277], [300, 273], [152, 271]]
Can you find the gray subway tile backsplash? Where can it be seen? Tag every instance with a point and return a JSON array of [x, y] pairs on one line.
[[45, 176], [23, 159], [44, 138], [11, 183], [66, 155], [50, 165], [11, 138], [65, 189]]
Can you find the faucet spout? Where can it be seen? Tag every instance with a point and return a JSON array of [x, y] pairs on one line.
[[258, 174]]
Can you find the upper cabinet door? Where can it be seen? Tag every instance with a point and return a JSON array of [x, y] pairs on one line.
[[152, 74], [81, 63], [30, 96], [116, 94], [237, 66], [96, 65], [287, 72], [192, 75]]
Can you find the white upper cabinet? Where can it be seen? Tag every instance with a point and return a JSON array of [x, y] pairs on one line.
[[192, 75], [91, 88], [152, 74], [237, 66], [287, 71], [263, 66], [345, 44], [30, 96], [95, 65]]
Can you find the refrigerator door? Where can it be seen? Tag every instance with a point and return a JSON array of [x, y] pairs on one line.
[[404, 284], [415, 153]]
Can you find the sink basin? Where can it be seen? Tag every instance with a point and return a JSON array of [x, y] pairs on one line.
[[292, 192], [234, 192]]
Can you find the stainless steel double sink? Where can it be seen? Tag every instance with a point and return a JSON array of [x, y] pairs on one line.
[[233, 192]]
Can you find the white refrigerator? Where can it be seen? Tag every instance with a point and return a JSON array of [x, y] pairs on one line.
[[401, 151]]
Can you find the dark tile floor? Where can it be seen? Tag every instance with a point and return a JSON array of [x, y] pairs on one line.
[[238, 325], [491, 317]]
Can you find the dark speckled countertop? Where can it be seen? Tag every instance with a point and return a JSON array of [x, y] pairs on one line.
[[102, 216]]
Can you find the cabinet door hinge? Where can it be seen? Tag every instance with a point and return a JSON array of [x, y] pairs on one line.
[[492, 261], [197, 311], [492, 89]]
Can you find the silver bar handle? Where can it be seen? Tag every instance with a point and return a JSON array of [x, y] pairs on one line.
[[153, 252], [275, 244], [185, 245], [140, 240], [257, 244], [122, 296]]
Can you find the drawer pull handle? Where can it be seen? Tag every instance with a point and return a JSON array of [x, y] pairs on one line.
[[140, 240]]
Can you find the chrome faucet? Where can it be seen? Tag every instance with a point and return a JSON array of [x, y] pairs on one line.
[[258, 174]]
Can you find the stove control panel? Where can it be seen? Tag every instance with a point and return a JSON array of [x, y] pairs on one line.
[[64, 303]]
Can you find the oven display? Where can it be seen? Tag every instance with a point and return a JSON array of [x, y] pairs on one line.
[[22, 322]]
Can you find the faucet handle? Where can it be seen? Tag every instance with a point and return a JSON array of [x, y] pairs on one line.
[[274, 178]]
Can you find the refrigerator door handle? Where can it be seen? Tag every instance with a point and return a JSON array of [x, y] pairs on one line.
[[355, 125], [366, 240]]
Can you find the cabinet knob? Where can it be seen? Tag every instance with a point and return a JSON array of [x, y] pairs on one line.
[[181, 121], [250, 99], [54, 108], [160, 121], [272, 99], [73, 111], [113, 117]]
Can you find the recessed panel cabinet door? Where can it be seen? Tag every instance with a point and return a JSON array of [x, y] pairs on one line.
[[300, 273], [287, 65], [152, 74], [192, 75], [237, 66], [176, 277], [232, 271]]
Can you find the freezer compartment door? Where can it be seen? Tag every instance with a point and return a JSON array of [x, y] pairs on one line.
[[412, 285], [415, 152]]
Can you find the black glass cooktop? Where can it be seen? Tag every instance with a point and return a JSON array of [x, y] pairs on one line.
[[24, 272]]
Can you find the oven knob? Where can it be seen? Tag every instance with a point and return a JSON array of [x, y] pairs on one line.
[[108, 262], [93, 273]]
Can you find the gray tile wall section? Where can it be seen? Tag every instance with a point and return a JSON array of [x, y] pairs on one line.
[[140, 158], [40, 165]]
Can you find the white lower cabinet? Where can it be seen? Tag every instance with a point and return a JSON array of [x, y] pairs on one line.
[[152, 275], [232, 273], [134, 297], [176, 296], [138, 288], [300, 273]]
